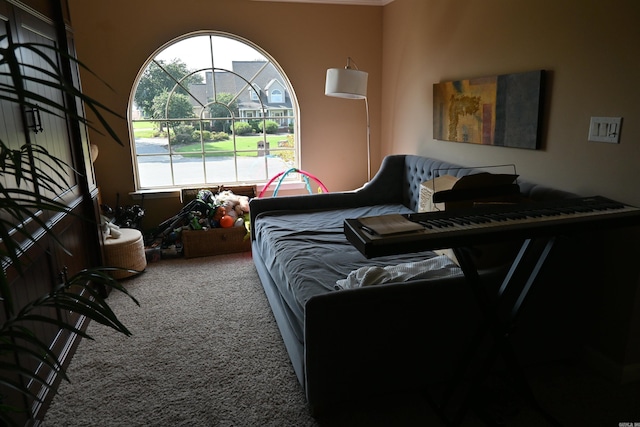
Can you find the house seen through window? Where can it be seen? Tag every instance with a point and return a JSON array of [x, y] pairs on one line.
[[212, 108]]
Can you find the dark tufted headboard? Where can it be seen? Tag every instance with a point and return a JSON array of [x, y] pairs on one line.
[[420, 169], [414, 170]]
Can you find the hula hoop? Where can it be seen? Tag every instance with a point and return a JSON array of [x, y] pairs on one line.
[[305, 175]]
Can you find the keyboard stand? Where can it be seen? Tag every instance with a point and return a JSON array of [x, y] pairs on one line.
[[497, 328], [537, 225]]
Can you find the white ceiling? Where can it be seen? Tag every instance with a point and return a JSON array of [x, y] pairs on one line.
[[356, 2]]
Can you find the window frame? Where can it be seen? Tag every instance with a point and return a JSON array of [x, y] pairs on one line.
[[280, 95], [262, 113]]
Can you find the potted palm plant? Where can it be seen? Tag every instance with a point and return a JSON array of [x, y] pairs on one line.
[[27, 189]]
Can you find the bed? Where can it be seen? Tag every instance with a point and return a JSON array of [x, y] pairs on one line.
[[350, 340]]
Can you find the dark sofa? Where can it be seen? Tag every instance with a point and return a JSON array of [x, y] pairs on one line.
[[348, 345]]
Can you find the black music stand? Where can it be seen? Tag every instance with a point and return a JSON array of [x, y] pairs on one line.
[[521, 275], [479, 188], [543, 221]]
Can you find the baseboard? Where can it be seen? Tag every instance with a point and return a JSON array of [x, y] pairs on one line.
[[619, 373], [70, 342]]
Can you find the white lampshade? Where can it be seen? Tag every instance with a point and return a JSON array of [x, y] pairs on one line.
[[346, 83]]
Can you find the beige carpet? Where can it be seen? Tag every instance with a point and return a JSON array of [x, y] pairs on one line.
[[206, 351]]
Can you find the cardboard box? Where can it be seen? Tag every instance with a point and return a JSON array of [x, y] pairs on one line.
[[215, 241], [428, 188]]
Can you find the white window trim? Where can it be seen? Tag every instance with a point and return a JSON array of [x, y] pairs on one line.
[[168, 188]]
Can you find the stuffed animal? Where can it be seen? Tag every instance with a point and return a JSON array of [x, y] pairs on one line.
[[218, 213], [236, 206], [109, 229]]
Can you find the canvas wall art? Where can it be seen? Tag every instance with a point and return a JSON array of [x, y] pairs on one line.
[[502, 110]]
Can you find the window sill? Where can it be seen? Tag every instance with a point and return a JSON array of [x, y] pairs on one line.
[[170, 193]]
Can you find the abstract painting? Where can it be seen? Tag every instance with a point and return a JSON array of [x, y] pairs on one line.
[[502, 110]]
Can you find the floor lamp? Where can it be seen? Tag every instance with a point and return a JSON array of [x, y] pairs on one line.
[[350, 83]]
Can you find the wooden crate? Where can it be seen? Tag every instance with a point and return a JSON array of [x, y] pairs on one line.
[[215, 241]]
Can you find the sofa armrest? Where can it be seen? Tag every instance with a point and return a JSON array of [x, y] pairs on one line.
[[384, 188], [366, 341]]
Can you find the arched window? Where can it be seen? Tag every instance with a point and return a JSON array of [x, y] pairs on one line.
[[276, 96], [254, 92], [196, 117]]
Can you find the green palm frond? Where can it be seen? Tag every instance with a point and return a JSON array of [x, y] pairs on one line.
[[17, 338], [30, 179]]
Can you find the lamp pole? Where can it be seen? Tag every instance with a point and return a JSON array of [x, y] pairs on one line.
[[351, 84], [366, 103]]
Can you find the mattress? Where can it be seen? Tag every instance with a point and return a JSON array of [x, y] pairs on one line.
[[307, 253]]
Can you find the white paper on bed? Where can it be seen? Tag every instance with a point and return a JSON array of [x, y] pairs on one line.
[[436, 267]]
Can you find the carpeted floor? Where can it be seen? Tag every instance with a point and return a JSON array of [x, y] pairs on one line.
[[206, 351]]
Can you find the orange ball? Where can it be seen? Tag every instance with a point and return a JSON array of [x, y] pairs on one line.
[[226, 221]]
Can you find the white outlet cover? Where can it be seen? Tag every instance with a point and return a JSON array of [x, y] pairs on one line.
[[605, 129]]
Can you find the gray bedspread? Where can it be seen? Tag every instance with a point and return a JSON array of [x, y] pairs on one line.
[[306, 253]]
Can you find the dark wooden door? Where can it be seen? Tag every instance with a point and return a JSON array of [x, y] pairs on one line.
[[47, 258]]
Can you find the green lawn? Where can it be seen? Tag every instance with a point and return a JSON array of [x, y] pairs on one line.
[[144, 129], [222, 148], [143, 125]]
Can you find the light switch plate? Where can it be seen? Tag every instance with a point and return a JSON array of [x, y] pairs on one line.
[[605, 129]]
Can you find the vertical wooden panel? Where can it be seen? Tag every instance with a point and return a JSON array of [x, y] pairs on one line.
[[54, 135], [33, 21]]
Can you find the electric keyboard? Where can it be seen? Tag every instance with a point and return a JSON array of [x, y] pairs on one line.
[[494, 223]]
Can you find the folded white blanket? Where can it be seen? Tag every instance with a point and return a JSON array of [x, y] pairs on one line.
[[437, 267]]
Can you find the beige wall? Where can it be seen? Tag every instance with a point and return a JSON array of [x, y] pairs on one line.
[[590, 49], [115, 38], [589, 52]]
